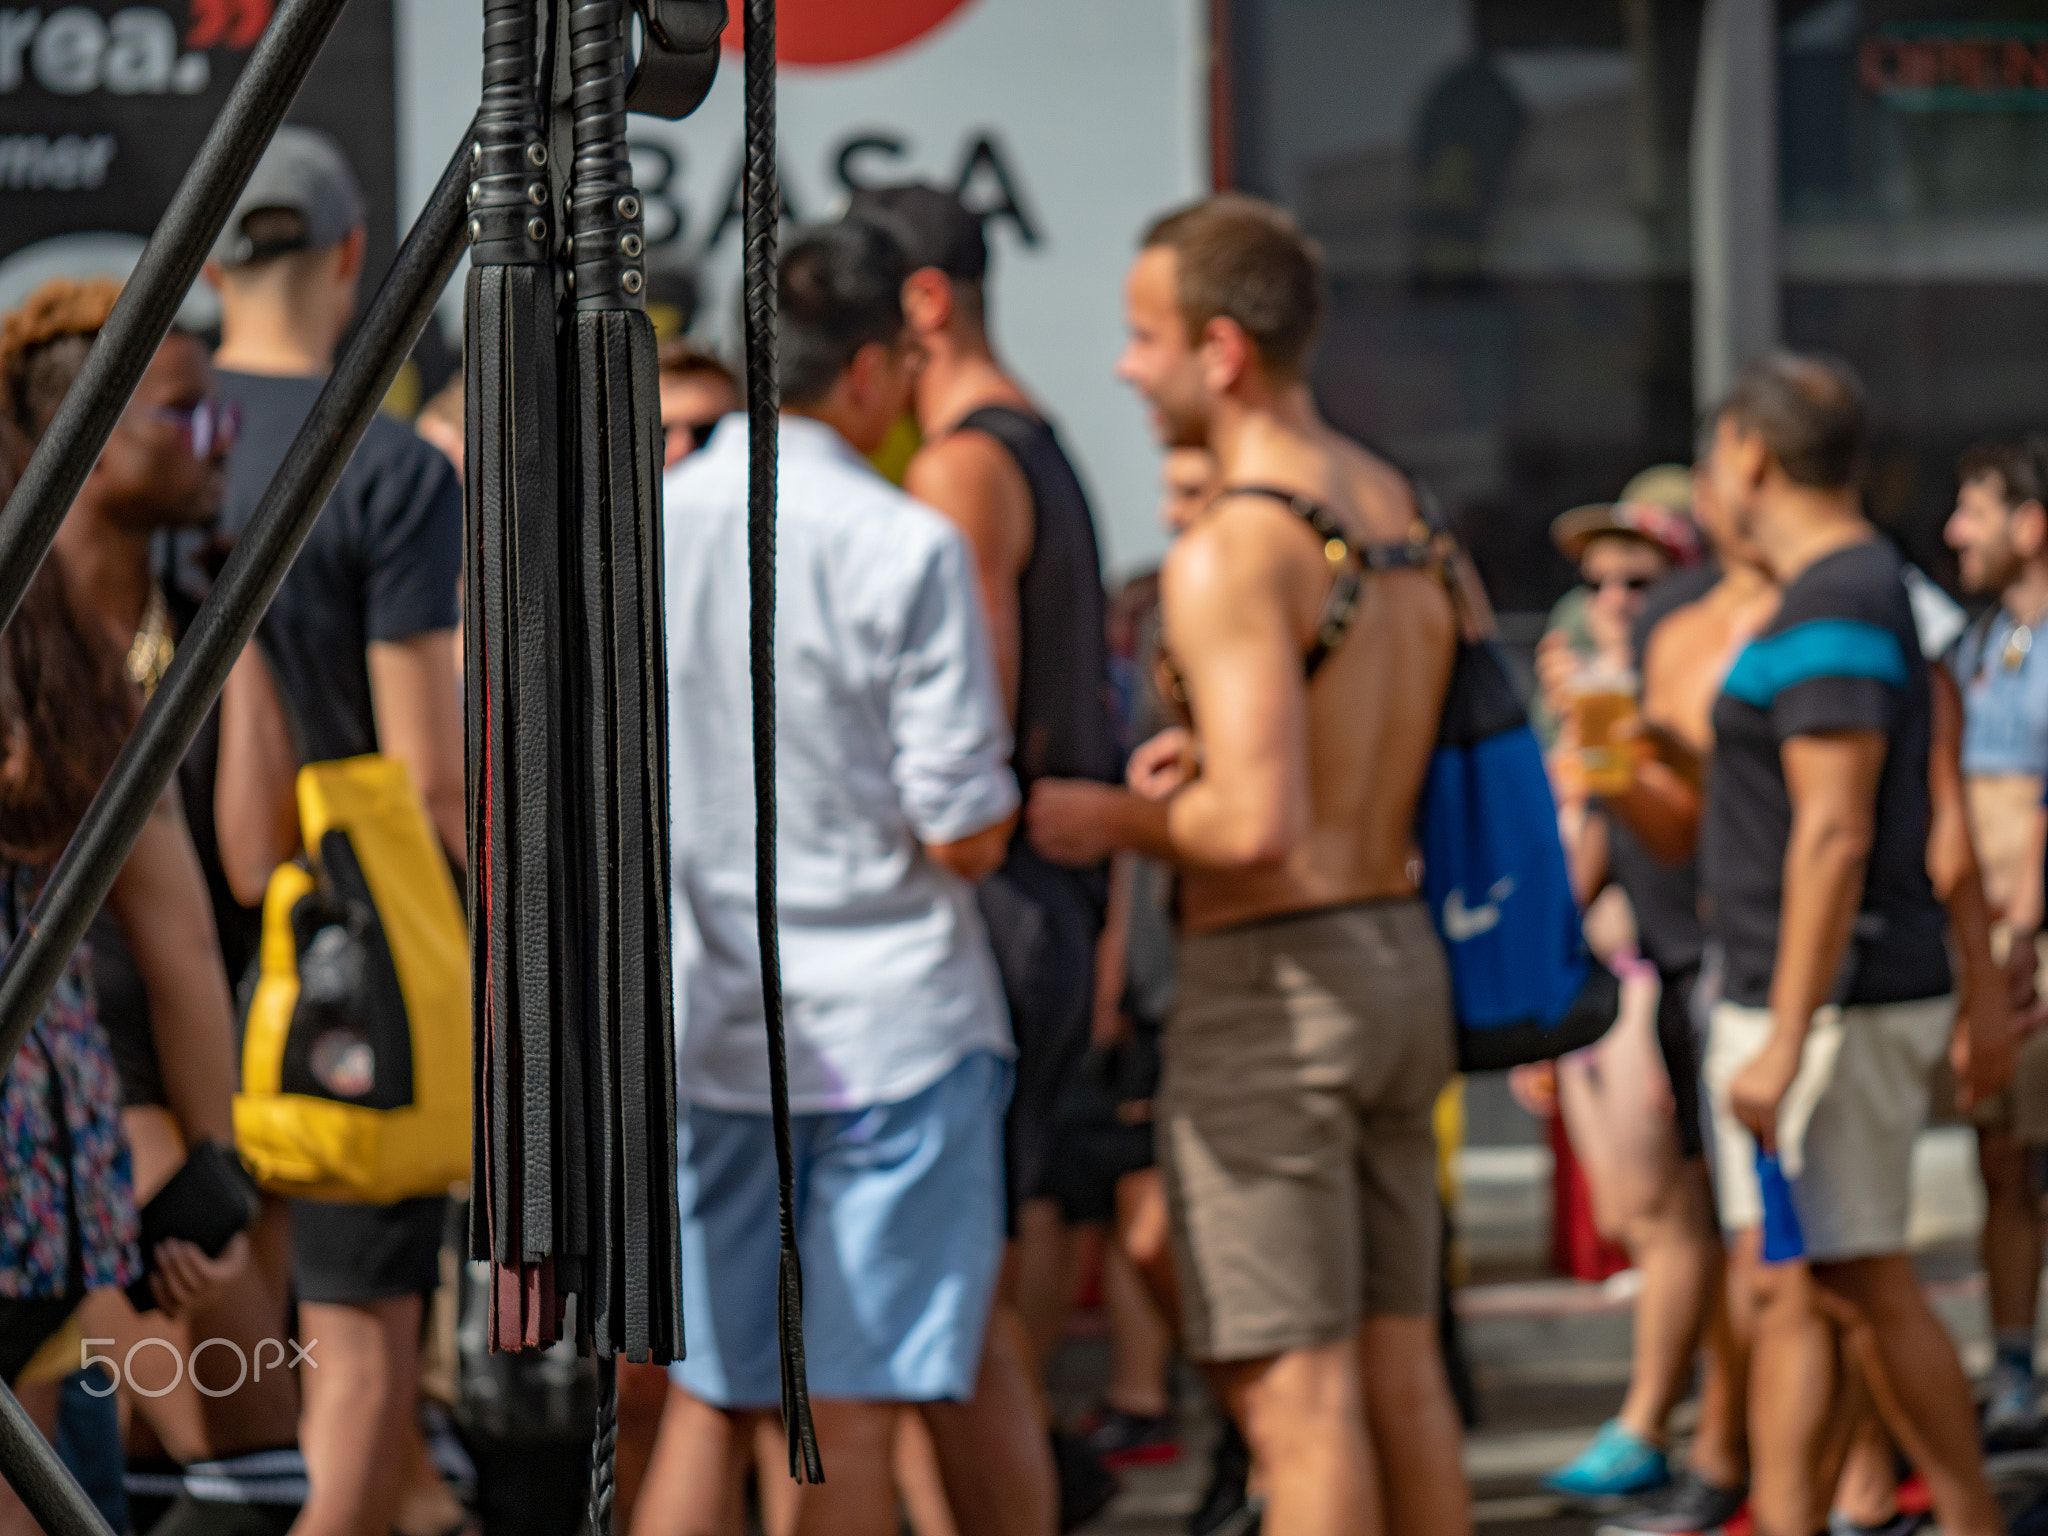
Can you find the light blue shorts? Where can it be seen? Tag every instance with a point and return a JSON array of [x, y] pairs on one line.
[[899, 1216]]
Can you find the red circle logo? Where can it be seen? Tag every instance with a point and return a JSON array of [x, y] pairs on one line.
[[844, 31]]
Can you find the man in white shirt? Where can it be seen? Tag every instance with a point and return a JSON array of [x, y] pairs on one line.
[[894, 796]]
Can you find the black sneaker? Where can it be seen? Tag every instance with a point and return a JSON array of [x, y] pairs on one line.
[[2031, 1519], [1086, 1485], [1691, 1506], [1123, 1440], [1902, 1524], [1224, 1507]]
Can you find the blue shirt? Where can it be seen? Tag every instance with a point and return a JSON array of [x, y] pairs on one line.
[[891, 734], [2005, 711]]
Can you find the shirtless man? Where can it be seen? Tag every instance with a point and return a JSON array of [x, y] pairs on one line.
[[1300, 1161]]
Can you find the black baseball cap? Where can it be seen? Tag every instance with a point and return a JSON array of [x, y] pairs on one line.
[[304, 171], [934, 228]]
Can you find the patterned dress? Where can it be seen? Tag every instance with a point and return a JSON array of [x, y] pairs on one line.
[[63, 1157]]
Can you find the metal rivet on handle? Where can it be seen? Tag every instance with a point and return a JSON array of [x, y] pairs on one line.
[[476, 229], [630, 243], [537, 194], [476, 190], [536, 154], [629, 207], [476, 153], [536, 228], [631, 281]]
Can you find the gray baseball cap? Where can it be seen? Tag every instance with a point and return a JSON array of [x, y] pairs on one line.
[[304, 171]]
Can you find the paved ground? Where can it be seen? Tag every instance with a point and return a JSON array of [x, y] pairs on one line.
[[1550, 1356]]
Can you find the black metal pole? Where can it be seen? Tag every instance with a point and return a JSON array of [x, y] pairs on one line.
[[229, 616], [162, 278], [43, 1483]]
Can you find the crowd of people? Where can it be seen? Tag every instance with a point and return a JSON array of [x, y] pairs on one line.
[[1824, 844], [1102, 941]]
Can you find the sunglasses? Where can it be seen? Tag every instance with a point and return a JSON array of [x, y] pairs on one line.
[[205, 426], [1626, 583], [694, 433]]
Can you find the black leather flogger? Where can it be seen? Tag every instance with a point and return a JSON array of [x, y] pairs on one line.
[[511, 604], [566, 668], [575, 1188]]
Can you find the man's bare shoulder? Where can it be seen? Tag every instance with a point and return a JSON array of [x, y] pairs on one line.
[[1372, 499], [964, 465], [1380, 497], [1680, 666], [974, 481], [1241, 556]]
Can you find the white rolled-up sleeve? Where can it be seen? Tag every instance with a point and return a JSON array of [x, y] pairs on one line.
[[947, 721]]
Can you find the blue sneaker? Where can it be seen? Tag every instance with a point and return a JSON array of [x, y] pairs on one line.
[[1617, 1465]]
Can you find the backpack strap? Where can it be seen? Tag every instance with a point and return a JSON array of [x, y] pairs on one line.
[[1348, 561], [1970, 646]]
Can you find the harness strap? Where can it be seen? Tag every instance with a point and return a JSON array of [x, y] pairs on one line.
[[1349, 561]]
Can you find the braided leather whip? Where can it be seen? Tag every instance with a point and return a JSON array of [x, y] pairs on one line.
[[604, 1453], [762, 206]]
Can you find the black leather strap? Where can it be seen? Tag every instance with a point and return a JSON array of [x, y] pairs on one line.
[[1348, 561], [599, 802]]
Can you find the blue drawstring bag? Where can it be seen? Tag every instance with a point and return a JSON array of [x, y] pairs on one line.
[[1523, 985]]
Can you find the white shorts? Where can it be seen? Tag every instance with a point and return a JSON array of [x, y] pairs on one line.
[[1846, 1127]]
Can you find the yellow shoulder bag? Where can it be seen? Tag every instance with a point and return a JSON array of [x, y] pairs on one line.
[[355, 1063]]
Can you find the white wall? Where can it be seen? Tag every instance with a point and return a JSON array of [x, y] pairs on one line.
[[1098, 109]]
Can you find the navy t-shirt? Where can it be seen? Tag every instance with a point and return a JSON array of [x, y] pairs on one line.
[[383, 562], [1841, 655]]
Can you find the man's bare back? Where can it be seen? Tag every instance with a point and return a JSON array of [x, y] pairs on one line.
[[1371, 711]]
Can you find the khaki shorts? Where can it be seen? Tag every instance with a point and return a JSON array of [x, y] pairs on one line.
[[2002, 811], [1846, 1127], [1294, 1126], [2021, 1108]]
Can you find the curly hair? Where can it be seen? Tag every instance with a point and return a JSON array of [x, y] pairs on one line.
[[65, 709], [44, 343], [65, 705]]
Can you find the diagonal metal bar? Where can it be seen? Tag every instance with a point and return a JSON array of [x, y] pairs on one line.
[[39, 1479], [163, 277], [229, 616]]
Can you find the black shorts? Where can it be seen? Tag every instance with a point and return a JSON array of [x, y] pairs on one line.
[[350, 1254], [1680, 1044], [26, 1325], [1104, 1128], [1043, 922]]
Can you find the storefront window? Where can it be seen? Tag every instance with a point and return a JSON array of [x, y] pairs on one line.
[[1502, 192], [1914, 182], [1503, 188]]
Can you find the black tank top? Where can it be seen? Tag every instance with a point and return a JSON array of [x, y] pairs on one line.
[[1064, 726], [1043, 919]]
